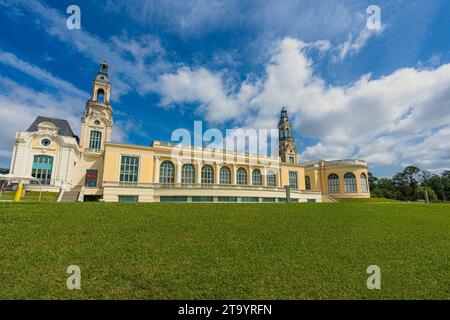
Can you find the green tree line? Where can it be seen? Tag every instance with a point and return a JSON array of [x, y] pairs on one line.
[[410, 184]]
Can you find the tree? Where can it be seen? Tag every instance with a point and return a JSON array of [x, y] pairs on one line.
[[431, 194], [406, 183], [372, 181]]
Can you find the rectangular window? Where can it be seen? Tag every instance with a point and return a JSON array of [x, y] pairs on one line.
[[202, 199], [227, 199], [311, 200], [91, 178], [293, 179], [282, 200], [128, 198], [173, 199], [95, 141], [249, 199], [42, 168], [129, 169], [268, 200]]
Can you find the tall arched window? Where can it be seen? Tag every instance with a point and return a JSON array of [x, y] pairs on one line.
[[256, 178], [188, 173], [207, 174], [100, 95], [287, 133], [271, 179], [333, 184], [350, 182], [291, 159], [225, 175], [241, 176], [42, 168], [364, 187], [95, 140], [308, 182], [281, 134], [167, 173]]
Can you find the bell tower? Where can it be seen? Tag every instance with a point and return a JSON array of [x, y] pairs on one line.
[[97, 120], [286, 146]]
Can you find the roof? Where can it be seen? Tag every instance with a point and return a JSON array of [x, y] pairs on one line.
[[64, 128]]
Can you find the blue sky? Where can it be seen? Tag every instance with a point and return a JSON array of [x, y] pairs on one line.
[[383, 96]]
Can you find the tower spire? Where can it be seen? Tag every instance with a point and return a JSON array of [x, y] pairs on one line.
[[286, 145]]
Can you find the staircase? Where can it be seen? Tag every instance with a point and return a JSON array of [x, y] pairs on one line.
[[70, 196], [327, 198]]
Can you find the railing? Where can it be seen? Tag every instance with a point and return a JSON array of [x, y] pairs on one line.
[[200, 186], [93, 150]]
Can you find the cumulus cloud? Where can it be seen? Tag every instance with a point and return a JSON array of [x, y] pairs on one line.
[[382, 120]]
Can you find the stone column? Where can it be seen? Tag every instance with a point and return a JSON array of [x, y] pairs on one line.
[[178, 174], [156, 177], [217, 173], [198, 172], [250, 176], [233, 174], [264, 177]]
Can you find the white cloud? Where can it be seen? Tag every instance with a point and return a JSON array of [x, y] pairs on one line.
[[386, 120], [353, 44]]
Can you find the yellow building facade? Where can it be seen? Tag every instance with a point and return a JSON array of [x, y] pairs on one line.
[[92, 167]]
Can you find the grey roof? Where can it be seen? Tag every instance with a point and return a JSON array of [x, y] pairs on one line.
[[63, 126]]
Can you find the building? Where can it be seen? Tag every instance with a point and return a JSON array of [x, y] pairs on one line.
[[92, 167]]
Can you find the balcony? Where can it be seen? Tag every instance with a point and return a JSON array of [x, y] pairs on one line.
[[93, 151]]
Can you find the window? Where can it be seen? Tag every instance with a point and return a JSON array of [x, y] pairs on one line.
[[225, 175], [271, 179], [173, 199], [167, 173], [350, 183], [268, 200], [293, 179], [281, 134], [308, 183], [97, 122], [207, 174], [91, 178], [129, 169], [227, 199], [287, 133], [95, 142], [42, 168], [128, 198], [188, 173], [256, 178], [101, 95], [202, 199], [249, 199], [46, 142], [364, 183], [333, 184], [241, 176], [291, 159], [282, 200]]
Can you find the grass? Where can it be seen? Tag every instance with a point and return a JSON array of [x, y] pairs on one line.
[[368, 200], [32, 196], [224, 251]]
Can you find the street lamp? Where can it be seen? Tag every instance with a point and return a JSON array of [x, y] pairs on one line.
[[443, 192]]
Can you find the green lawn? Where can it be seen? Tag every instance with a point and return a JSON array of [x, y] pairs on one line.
[[32, 196], [224, 251]]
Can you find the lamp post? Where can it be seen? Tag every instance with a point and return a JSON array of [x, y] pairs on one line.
[[443, 193]]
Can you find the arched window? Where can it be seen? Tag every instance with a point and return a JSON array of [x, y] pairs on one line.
[[241, 177], [364, 183], [281, 134], [291, 159], [225, 175], [333, 184], [308, 182], [188, 173], [100, 95], [42, 168], [167, 173], [95, 141], [207, 174], [287, 133], [350, 183], [256, 178], [271, 179]]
